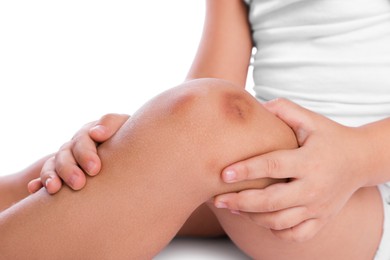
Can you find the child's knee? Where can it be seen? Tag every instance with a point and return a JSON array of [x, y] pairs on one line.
[[208, 99]]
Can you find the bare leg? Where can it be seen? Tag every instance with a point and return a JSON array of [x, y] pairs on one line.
[[353, 234], [13, 187], [158, 169], [163, 164]]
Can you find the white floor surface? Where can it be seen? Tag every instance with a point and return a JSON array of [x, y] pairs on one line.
[[201, 249]]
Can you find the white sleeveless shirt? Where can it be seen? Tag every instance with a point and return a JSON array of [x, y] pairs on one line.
[[330, 56]]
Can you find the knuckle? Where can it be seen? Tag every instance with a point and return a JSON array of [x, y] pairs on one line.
[[82, 157], [67, 145], [88, 125], [77, 138], [59, 159], [49, 162], [272, 166], [82, 132], [108, 117], [62, 170]]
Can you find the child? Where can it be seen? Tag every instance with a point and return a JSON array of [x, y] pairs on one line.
[[330, 57]]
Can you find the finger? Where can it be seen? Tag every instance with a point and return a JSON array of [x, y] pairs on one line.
[[107, 126], [278, 164], [49, 178], [275, 197], [67, 168], [301, 232], [34, 185], [297, 117], [84, 151], [279, 220]]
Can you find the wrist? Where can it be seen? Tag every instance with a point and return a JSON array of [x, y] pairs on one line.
[[375, 153], [356, 156], [364, 162]]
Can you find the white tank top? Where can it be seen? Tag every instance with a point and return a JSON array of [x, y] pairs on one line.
[[330, 56]]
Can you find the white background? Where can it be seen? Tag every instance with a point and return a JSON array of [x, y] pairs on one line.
[[65, 63]]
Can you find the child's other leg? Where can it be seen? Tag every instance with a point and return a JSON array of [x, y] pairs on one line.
[[13, 187], [159, 167], [354, 234]]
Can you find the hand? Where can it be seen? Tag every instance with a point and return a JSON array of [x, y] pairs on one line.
[[78, 156], [322, 175]]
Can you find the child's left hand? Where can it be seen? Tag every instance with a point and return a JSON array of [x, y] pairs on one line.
[[78, 157], [323, 173]]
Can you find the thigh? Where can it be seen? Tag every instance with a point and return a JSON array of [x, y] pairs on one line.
[[354, 234]]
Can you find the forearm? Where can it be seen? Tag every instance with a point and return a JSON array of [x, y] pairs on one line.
[[226, 44], [13, 187], [376, 140]]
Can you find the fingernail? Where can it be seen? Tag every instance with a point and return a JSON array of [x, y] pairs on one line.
[[221, 205], [72, 181], [48, 180], [230, 176], [91, 167], [99, 129]]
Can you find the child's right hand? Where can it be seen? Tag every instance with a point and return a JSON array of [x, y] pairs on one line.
[[78, 156]]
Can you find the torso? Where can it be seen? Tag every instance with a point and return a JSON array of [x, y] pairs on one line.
[[330, 56]]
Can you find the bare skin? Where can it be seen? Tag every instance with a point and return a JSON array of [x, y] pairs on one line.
[[13, 187], [226, 55], [158, 168]]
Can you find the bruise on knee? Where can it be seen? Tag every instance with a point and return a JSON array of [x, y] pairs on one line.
[[236, 106], [209, 96]]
